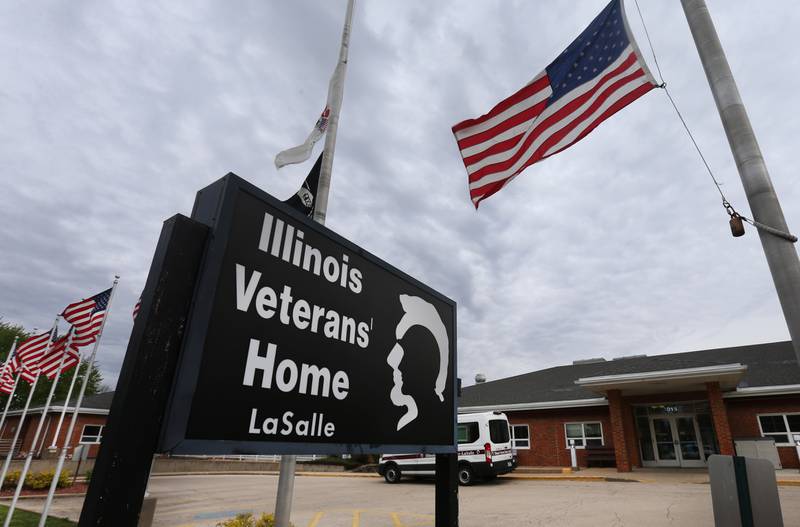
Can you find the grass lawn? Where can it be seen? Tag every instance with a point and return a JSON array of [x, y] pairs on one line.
[[29, 519]]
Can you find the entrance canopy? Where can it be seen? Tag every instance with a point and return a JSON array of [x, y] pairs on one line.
[[667, 381]]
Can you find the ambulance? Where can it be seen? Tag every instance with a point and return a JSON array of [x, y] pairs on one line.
[[484, 452]]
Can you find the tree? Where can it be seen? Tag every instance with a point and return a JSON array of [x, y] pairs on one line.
[[7, 334]]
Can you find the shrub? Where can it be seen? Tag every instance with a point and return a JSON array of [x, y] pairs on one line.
[[247, 520], [12, 478], [88, 475], [42, 480]]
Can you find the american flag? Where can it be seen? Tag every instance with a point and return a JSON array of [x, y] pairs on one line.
[[86, 317], [49, 363], [7, 382], [26, 359], [137, 307], [598, 74]]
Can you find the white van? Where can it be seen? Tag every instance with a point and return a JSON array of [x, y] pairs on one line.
[[484, 451]]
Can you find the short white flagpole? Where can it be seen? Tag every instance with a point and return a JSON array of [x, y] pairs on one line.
[[8, 403], [39, 426], [8, 357], [283, 499], [66, 403], [10, 455], [63, 454], [13, 388]]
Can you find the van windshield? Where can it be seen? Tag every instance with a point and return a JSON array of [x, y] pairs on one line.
[[498, 431]]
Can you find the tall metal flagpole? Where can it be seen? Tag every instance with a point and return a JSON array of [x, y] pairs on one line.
[[321, 199], [283, 500], [25, 410], [781, 254], [39, 426], [66, 402], [63, 455]]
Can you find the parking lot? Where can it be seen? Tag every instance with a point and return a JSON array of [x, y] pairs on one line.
[[338, 501]]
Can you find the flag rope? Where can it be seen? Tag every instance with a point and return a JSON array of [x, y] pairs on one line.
[[725, 203]]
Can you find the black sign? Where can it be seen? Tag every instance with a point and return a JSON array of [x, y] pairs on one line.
[[301, 342]]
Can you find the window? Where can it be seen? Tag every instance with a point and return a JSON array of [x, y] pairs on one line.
[[92, 434], [584, 434], [467, 433], [780, 427], [520, 436], [498, 431]]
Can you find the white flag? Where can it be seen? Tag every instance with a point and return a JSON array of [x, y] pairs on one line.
[[300, 153]]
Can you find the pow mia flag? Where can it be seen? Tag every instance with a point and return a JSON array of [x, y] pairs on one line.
[[303, 200]]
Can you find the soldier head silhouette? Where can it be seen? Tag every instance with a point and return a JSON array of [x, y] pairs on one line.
[[417, 312]]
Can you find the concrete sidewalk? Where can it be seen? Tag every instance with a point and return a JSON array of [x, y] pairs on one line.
[[785, 477]]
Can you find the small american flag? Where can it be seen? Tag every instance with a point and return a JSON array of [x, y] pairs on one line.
[[7, 382], [86, 316], [598, 74], [137, 307], [49, 364], [26, 359]]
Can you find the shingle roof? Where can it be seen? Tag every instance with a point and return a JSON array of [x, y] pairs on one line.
[[770, 364], [99, 401]]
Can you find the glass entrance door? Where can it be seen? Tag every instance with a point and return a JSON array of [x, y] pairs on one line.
[[691, 452], [666, 454], [677, 442]]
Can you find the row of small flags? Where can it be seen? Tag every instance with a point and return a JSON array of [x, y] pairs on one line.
[[44, 353]]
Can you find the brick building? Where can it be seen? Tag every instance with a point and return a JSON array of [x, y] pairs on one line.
[[88, 430], [660, 411]]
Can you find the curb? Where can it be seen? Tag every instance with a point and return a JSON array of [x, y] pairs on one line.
[[269, 473], [43, 496]]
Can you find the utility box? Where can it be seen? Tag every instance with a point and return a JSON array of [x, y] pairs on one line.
[[759, 448]]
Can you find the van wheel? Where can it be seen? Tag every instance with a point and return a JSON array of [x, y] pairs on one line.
[[465, 475], [392, 474]]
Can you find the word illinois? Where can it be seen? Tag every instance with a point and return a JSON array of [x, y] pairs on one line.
[[283, 241]]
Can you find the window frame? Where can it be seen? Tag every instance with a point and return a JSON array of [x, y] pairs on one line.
[[787, 431], [584, 437], [98, 437], [466, 425], [514, 439]]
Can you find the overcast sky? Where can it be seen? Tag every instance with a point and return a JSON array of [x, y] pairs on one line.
[[114, 113]]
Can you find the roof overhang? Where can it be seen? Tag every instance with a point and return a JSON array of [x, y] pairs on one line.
[[539, 405], [760, 391], [667, 381], [56, 409]]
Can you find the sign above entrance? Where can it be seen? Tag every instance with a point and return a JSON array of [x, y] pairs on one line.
[[301, 342]]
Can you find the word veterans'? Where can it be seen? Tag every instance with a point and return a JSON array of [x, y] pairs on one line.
[[314, 427]]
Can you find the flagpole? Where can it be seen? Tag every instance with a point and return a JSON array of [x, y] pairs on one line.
[[283, 499], [62, 456], [25, 410], [13, 388], [321, 208], [39, 426], [8, 357], [780, 253], [66, 403], [8, 403]]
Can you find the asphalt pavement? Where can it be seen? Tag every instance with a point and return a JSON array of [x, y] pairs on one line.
[[339, 501]]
